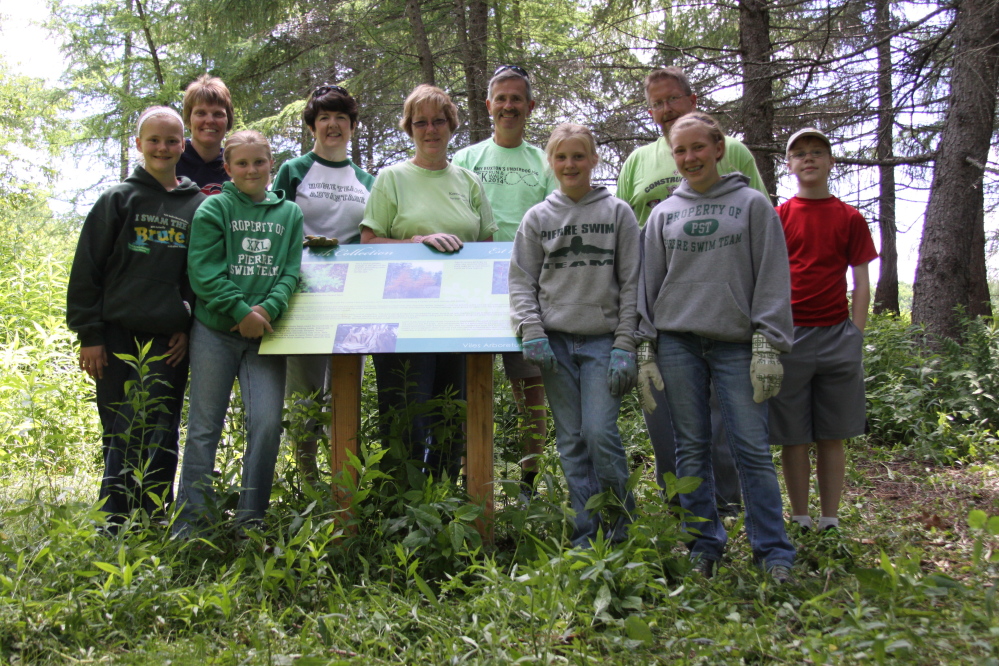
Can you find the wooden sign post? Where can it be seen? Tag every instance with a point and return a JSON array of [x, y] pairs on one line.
[[406, 298]]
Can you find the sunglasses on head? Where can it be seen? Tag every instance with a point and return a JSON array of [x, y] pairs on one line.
[[323, 89], [515, 68]]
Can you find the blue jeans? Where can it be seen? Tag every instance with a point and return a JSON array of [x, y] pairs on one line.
[[217, 358], [586, 434], [728, 494], [689, 363]]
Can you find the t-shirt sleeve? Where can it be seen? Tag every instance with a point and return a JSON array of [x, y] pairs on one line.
[[287, 180], [462, 158], [480, 202], [382, 207], [365, 178], [861, 248], [625, 187], [744, 162]]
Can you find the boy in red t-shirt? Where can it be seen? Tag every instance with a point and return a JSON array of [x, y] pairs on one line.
[[822, 397]]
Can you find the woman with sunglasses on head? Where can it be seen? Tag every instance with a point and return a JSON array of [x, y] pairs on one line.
[[428, 200], [331, 191]]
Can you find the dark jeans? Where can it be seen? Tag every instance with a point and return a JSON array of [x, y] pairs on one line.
[[140, 450], [411, 380]]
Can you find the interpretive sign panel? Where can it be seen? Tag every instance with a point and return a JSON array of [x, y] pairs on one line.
[[398, 298]]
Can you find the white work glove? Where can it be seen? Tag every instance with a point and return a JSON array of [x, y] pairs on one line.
[[765, 369], [648, 376]]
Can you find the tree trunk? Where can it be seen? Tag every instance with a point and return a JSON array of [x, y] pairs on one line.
[[943, 275], [478, 33], [472, 37], [423, 51], [126, 86], [518, 26], [979, 299], [886, 295], [157, 69], [756, 50]]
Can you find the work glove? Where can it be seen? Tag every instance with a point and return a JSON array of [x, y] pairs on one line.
[[622, 373], [765, 369], [538, 352], [648, 376]]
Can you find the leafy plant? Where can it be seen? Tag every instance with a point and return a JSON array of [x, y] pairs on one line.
[[941, 404]]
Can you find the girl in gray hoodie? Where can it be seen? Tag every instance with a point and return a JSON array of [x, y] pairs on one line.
[[716, 299], [573, 298]]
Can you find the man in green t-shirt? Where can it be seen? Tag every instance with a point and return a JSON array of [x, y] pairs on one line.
[[649, 176], [516, 176]]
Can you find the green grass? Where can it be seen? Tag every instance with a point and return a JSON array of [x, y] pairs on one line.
[[407, 581]]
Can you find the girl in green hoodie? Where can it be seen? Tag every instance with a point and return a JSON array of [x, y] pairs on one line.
[[246, 249]]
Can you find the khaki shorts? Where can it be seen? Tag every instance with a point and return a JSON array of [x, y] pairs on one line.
[[822, 395], [517, 368]]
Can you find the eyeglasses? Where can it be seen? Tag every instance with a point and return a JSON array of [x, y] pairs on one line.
[[423, 124], [802, 154], [326, 88], [669, 101], [514, 68]]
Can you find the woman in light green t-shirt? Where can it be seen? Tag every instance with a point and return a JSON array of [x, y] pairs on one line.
[[426, 200]]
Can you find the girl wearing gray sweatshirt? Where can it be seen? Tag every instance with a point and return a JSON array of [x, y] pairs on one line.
[[573, 298], [716, 299]]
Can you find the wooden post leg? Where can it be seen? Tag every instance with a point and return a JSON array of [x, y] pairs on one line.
[[345, 416], [479, 457]]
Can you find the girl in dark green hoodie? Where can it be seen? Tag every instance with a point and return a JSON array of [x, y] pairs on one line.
[[128, 289]]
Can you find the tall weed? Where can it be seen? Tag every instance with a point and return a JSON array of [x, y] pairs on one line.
[[940, 404], [46, 409]]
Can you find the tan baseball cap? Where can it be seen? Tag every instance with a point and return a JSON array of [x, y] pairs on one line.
[[808, 131]]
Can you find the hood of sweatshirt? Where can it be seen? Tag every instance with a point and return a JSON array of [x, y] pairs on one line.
[[559, 200], [142, 177], [272, 198], [728, 183]]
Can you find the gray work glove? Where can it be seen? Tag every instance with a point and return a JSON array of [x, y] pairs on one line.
[[765, 369], [648, 376]]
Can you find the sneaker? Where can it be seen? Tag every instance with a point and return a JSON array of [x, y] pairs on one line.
[[780, 574], [703, 567]]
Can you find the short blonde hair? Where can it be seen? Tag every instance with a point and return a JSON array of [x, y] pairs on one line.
[[207, 89], [433, 97], [570, 131], [704, 120], [155, 111], [246, 138]]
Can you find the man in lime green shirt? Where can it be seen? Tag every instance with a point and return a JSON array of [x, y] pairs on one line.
[[649, 174], [516, 177]]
